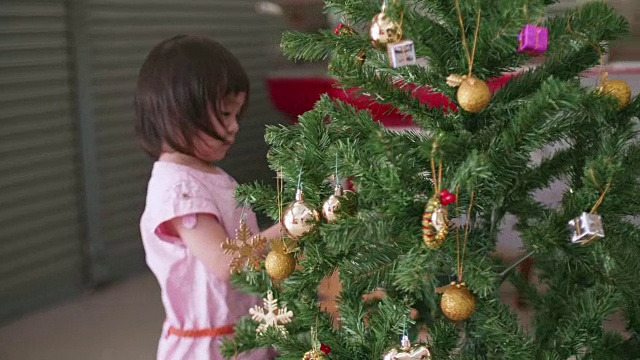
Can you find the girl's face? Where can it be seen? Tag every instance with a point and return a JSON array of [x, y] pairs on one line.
[[210, 149]]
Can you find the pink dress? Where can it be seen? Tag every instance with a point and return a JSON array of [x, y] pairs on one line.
[[193, 298]]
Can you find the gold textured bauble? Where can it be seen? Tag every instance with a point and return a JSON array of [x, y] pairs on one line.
[[457, 303], [314, 354], [384, 31], [279, 264], [619, 89], [473, 94], [299, 217]]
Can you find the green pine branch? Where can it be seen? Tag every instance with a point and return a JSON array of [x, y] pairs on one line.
[[380, 246]]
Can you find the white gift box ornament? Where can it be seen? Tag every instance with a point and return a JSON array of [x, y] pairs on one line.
[[586, 228], [401, 53]]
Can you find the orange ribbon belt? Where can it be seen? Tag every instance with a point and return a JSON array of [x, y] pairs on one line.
[[212, 332]]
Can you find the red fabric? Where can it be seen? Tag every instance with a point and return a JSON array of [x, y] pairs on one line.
[[295, 96]]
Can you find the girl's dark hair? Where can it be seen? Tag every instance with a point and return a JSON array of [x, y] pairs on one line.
[[181, 78]]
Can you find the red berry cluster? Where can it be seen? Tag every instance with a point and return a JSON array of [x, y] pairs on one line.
[[446, 197]]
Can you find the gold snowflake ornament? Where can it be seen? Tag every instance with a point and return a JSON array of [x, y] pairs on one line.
[[248, 249], [270, 315]]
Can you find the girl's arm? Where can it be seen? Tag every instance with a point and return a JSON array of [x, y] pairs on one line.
[[204, 241], [273, 232], [205, 238]]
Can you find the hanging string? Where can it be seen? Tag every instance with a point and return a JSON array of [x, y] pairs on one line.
[[527, 19], [525, 12], [584, 37], [436, 183], [464, 37], [315, 335], [513, 266], [337, 177], [401, 15], [279, 191], [300, 179], [475, 42], [595, 207], [595, 46], [603, 192], [470, 54], [458, 233], [279, 200], [466, 238], [243, 214], [433, 175], [460, 254], [598, 202], [439, 175], [404, 327], [235, 349], [395, 2]]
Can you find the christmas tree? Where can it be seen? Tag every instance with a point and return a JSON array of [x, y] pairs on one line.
[[422, 222]]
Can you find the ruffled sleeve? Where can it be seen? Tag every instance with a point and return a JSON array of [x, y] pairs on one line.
[[181, 197]]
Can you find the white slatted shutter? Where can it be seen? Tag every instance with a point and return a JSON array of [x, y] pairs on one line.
[[40, 236]]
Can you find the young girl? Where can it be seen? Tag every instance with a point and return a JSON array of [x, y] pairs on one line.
[[190, 95]]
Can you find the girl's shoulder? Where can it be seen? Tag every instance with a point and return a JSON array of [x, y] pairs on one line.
[[171, 174], [172, 183], [176, 190]]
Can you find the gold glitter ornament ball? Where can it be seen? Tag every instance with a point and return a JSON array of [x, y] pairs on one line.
[[458, 303], [473, 94], [314, 355], [384, 31], [619, 89], [279, 264]]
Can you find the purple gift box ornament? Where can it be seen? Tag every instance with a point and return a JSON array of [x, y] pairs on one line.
[[533, 39]]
